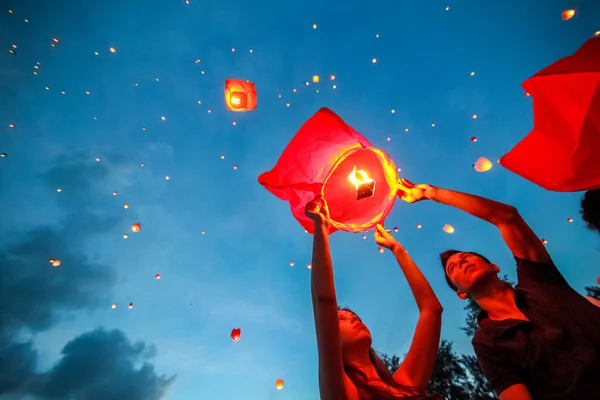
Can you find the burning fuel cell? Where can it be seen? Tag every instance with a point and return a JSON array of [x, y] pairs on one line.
[[365, 186]]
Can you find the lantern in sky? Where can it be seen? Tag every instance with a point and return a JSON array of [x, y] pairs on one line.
[[561, 151], [327, 157], [567, 15], [54, 263], [316, 78], [240, 95], [448, 228], [130, 306], [279, 384], [482, 165], [157, 276], [136, 227], [235, 334]]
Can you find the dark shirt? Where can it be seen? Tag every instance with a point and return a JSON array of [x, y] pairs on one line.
[[556, 354]]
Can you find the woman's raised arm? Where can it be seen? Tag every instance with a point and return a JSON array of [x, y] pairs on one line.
[[417, 367]]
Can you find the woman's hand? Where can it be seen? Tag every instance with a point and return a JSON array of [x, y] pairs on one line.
[[411, 193], [384, 239], [318, 211]]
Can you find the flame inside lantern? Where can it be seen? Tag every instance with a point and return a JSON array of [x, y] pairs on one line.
[[567, 15], [365, 186]]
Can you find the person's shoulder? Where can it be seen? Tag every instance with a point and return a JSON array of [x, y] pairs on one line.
[[480, 338]]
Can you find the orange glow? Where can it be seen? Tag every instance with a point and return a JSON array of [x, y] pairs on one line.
[[569, 219], [473, 139], [365, 186], [235, 334], [567, 15], [136, 227], [54, 263], [157, 276], [114, 306], [316, 79], [418, 226], [125, 205], [240, 95], [279, 384], [291, 263], [381, 250], [113, 50], [544, 241], [448, 228], [482, 165]]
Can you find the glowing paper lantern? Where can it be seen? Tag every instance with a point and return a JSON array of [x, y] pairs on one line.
[[240, 95], [567, 15], [136, 227], [279, 384], [157, 276], [114, 306], [328, 157], [569, 219], [235, 334], [54, 263], [448, 228], [482, 165], [130, 306], [316, 78]]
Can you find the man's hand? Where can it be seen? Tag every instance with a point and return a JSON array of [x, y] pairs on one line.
[[384, 239], [317, 211], [411, 193]]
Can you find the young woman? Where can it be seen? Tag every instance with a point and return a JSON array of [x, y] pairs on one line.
[[349, 368]]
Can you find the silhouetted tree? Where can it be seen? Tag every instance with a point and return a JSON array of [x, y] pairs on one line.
[[392, 362], [479, 387], [593, 291]]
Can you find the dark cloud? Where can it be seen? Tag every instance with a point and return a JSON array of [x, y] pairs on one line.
[[100, 365], [33, 295]]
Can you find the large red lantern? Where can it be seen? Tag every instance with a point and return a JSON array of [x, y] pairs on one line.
[[240, 95], [328, 157]]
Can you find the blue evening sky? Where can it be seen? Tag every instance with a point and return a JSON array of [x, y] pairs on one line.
[[238, 274]]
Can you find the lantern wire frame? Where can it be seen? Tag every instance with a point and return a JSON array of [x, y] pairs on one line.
[[391, 177]]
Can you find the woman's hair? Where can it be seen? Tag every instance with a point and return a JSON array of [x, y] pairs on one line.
[[369, 391]]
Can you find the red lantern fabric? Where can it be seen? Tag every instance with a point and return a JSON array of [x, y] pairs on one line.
[[240, 95], [561, 152], [319, 160]]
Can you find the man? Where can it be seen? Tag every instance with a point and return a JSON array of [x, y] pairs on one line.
[[538, 340]]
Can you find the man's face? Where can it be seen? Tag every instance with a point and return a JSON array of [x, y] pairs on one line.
[[466, 269]]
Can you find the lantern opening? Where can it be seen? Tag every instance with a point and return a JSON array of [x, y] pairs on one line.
[[342, 197], [239, 100]]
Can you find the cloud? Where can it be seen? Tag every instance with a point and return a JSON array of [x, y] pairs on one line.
[[100, 365], [34, 295]]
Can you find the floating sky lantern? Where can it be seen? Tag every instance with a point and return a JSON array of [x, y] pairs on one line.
[[236, 334], [569, 219], [544, 241], [473, 139], [279, 384], [130, 306], [125, 205], [291, 263], [316, 78], [240, 95], [114, 306], [380, 250], [136, 227], [560, 152], [482, 165], [448, 228], [54, 263], [419, 226], [157, 276], [125, 236], [567, 15], [327, 157], [113, 50]]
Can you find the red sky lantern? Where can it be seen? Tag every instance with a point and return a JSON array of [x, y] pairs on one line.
[[561, 152], [240, 95], [235, 334], [328, 157]]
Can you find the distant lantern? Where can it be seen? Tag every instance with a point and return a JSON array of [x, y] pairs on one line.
[[291, 263], [236, 334], [395, 229], [113, 50], [380, 250], [474, 116], [329, 158], [115, 193], [316, 78], [136, 227], [12, 126], [240, 95], [567, 15], [279, 384], [332, 77], [544, 241], [54, 263], [130, 306], [569, 219], [125, 236], [448, 228], [473, 139], [157, 276], [419, 226], [482, 165], [114, 306], [125, 205]]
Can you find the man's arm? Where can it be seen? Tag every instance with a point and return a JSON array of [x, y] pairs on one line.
[[517, 235]]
